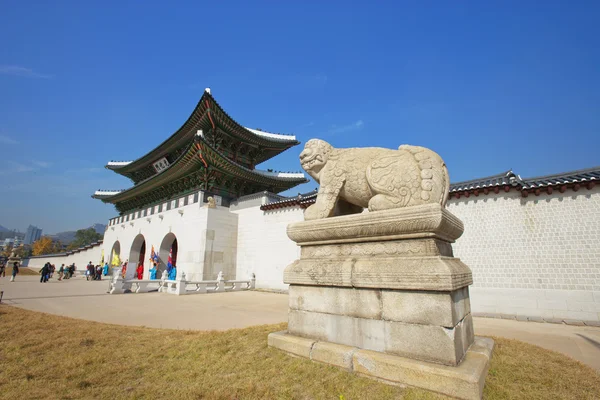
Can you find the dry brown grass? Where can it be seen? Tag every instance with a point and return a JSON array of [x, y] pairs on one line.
[[49, 357], [24, 271]]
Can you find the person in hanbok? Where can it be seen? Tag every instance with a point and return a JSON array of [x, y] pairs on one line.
[[105, 269], [173, 273], [124, 269], [140, 271], [153, 271]]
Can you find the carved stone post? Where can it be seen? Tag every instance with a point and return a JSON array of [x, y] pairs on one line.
[[163, 282], [181, 285], [117, 283], [220, 282]]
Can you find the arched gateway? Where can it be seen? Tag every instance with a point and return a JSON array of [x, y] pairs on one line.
[[137, 256], [168, 246], [115, 251]]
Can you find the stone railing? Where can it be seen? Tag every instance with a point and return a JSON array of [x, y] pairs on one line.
[[179, 286]]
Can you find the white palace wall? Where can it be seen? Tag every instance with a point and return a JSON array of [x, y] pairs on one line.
[[537, 256], [263, 246], [80, 257], [531, 257]]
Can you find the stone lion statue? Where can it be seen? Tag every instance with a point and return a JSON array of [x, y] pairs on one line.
[[211, 203], [373, 178]]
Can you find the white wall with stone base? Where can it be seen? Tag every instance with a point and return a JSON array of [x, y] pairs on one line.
[[80, 258], [533, 257], [537, 256], [263, 245]]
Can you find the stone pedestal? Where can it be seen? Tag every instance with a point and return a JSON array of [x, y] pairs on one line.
[[385, 285]]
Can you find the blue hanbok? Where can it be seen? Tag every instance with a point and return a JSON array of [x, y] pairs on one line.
[[153, 273], [173, 274], [105, 269]]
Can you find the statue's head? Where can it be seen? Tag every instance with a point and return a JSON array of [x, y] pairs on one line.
[[314, 156]]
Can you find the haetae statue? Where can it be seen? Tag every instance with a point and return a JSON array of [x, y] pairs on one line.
[[211, 202], [410, 320], [373, 177]]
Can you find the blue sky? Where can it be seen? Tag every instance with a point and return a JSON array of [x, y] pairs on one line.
[[488, 86]]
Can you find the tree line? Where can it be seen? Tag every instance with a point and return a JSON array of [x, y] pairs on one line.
[[45, 245]]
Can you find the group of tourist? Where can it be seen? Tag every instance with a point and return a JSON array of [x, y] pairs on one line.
[[64, 272], [139, 271], [15, 270], [46, 272], [95, 272]]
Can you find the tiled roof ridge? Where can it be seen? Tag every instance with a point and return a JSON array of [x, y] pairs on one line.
[[300, 199], [268, 136], [485, 178], [288, 137]]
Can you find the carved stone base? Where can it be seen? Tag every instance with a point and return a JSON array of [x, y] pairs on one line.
[[429, 326], [465, 381], [386, 284]]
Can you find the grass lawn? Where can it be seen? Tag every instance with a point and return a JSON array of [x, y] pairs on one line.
[[50, 357], [23, 271]]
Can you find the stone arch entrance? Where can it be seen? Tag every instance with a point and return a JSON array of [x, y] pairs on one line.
[[116, 250], [137, 255], [168, 245]]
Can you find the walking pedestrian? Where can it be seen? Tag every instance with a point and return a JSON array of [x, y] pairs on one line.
[[44, 273], [2, 270], [89, 273], [61, 271], [15, 271]]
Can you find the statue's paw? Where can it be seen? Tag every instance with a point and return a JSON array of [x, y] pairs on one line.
[[311, 213]]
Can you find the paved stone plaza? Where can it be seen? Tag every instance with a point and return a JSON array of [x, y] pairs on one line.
[[78, 298]]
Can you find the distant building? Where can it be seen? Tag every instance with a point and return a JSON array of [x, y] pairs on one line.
[[14, 242], [33, 233]]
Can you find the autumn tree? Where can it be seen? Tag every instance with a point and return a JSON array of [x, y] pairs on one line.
[[83, 237], [45, 246]]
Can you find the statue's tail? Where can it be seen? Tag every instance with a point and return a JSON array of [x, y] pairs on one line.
[[446, 189]]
